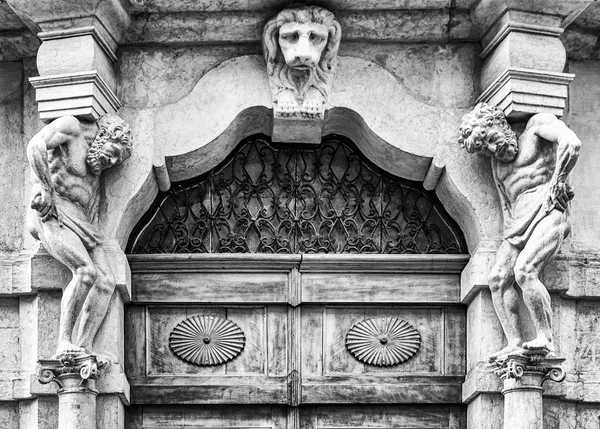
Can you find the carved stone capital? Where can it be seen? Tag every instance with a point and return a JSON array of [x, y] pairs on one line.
[[522, 371], [72, 372]]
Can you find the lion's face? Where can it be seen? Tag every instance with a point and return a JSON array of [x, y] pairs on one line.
[[302, 44]]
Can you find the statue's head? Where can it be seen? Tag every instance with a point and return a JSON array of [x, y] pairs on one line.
[[306, 38], [112, 144], [485, 130]]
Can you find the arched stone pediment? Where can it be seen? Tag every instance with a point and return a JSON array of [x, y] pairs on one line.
[[398, 132]]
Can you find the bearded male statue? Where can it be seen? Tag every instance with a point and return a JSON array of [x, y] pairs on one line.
[[531, 179], [66, 158]]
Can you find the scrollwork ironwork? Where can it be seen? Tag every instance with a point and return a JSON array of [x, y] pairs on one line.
[[294, 199]]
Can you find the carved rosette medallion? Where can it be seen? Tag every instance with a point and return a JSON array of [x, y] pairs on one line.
[[384, 341], [207, 340]]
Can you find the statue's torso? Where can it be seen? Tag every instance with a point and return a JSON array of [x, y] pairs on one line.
[[533, 167], [70, 175]]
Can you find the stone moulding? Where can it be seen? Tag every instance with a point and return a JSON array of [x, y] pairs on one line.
[[207, 340], [78, 32], [82, 94], [521, 27], [521, 92], [384, 341]]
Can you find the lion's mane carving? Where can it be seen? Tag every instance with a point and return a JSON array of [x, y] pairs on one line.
[[303, 90]]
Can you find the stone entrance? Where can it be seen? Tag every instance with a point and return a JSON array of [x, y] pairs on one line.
[[331, 284]]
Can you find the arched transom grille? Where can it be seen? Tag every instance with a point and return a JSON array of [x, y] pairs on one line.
[[297, 199]]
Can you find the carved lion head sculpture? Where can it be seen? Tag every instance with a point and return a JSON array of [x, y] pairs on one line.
[[300, 47]]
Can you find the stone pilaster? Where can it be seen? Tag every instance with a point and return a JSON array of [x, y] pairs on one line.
[[75, 375], [523, 376], [523, 62], [76, 58]]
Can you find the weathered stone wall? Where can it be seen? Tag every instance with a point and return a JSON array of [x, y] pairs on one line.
[[439, 75]]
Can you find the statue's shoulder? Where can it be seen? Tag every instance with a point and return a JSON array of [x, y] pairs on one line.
[[66, 124], [542, 119]]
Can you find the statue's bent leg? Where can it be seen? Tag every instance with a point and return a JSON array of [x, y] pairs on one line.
[[66, 246], [505, 297], [542, 246], [98, 299]]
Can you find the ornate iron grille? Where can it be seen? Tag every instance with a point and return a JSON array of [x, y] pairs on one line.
[[266, 199]]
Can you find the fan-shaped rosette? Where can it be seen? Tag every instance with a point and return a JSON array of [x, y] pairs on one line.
[[207, 340], [384, 341]]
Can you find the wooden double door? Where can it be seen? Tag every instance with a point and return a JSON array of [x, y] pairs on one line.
[[295, 369]]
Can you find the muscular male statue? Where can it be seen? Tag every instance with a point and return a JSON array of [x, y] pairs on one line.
[[530, 176], [66, 159]]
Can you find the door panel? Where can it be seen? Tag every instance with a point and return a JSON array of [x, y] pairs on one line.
[[295, 327], [305, 417], [257, 375]]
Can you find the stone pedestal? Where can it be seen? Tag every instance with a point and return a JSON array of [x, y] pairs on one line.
[[523, 376], [75, 375], [297, 129]]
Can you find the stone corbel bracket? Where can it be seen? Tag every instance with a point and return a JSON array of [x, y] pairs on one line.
[[300, 47], [82, 82], [523, 62]]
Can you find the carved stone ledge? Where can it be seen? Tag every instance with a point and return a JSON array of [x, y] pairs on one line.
[[82, 94], [520, 93]]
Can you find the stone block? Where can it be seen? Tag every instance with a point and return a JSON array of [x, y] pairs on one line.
[[484, 333], [110, 412], [292, 130], [82, 94], [9, 415], [486, 412], [522, 50], [109, 17], [48, 273], [15, 273], [475, 275], [76, 50], [521, 93]]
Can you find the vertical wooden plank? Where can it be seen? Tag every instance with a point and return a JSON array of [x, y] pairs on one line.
[[160, 416], [278, 417], [277, 341], [135, 340], [308, 417], [336, 358], [295, 359], [252, 321], [312, 340], [161, 321], [134, 417], [455, 344]]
